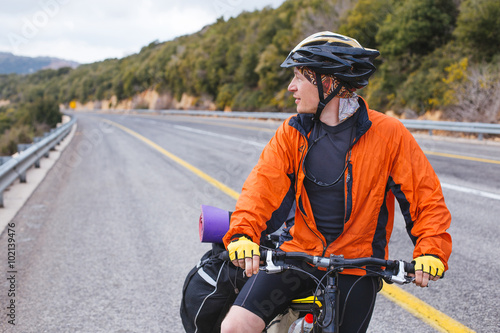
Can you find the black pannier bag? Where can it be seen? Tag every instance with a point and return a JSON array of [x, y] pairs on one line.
[[209, 291], [212, 285]]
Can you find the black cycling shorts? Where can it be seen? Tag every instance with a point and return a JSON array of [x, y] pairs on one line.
[[268, 295]]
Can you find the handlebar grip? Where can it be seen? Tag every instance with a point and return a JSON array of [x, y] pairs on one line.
[[224, 255], [409, 267]]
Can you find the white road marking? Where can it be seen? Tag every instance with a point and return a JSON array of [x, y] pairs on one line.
[[189, 129], [260, 145], [471, 191]]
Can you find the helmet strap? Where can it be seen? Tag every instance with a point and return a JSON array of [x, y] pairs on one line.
[[322, 100]]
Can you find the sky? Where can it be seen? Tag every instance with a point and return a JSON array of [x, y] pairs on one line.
[[94, 30]]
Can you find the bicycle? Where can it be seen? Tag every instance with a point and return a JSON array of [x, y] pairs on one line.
[[323, 304]]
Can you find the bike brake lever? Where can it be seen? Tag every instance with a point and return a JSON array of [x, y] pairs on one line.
[[270, 267], [401, 278]]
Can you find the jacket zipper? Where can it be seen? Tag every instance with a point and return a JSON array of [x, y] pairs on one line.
[[300, 198], [347, 177]]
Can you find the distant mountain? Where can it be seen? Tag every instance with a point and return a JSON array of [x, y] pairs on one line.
[[10, 63]]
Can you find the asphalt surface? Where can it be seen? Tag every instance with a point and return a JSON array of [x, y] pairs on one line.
[[106, 240]]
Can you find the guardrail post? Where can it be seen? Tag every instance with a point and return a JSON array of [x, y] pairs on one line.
[[22, 177], [52, 130], [480, 137], [430, 132], [35, 140], [20, 148]]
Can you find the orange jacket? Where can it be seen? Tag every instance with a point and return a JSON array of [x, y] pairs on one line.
[[385, 162]]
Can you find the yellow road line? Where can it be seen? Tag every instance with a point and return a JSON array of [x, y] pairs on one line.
[[407, 301], [423, 311], [461, 157]]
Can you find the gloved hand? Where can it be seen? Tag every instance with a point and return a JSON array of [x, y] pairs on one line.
[[429, 264], [242, 247], [245, 254]]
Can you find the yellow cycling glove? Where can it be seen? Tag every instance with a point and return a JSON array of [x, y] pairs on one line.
[[242, 248], [429, 264]]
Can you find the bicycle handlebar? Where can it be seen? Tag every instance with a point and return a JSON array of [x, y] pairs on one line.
[[396, 270]]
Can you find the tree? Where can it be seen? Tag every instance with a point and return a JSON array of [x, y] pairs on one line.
[[364, 20], [417, 27], [40, 111], [478, 27]]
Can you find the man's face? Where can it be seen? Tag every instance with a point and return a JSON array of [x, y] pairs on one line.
[[305, 93]]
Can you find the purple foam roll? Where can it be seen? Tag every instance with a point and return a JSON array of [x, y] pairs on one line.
[[214, 223]]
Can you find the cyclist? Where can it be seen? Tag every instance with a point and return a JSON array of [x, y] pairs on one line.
[[340, 165]]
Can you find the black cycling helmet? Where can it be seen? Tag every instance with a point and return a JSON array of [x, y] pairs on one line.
[[330, 53]]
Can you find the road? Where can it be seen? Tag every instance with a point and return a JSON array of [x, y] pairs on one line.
[[106, 240]]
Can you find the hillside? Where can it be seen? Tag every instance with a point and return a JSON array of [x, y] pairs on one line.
[[10, 63], [436, 55], [229, 65]]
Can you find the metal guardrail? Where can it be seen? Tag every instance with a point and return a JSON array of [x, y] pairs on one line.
[[476, 128], [29, 155], [430, 125], [233, 114], [12, 168]]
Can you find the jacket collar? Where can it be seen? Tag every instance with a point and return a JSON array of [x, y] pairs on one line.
[[303, 122]]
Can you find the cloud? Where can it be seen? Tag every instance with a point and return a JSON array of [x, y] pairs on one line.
[[92, 30]]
